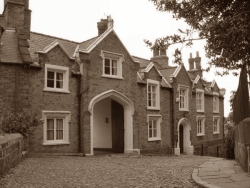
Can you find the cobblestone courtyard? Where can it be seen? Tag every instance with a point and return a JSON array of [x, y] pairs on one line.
[[104, 171]]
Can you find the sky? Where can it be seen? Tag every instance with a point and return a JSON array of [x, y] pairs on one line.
[[134, 21]]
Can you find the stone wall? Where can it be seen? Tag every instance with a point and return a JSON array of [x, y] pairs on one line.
[[11, 146], [242, 141]]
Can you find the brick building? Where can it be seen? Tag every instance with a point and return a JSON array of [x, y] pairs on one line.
[[94, 95]]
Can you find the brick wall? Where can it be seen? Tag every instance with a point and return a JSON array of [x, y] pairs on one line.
[[10, 151], [210, 141], [53, 101]]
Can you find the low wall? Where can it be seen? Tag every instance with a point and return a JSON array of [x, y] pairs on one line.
[[210, 148], [241, 141], [11, 146]]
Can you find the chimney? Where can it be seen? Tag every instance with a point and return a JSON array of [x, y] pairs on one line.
[[195, 64], [159, 56], [104, 24], [191, 62], [18, 15]]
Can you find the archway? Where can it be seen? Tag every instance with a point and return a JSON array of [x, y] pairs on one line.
[[183, 144], [128, 108]]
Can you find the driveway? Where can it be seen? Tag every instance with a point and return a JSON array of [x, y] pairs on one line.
[[104, 171]]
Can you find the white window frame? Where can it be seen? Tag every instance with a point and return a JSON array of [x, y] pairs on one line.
[[216, 106], [66, 116], [202, 132], [112, 56], [157, 96], [60, 69], [158, 119], [186, 98], [217, 126], [200, 91]]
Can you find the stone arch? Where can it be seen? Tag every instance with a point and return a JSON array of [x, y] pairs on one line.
[[128, 117], [187, 147]]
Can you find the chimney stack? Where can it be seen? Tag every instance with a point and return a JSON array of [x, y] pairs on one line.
[[18, 15], [159, 56], [195, 64], [104, 24]]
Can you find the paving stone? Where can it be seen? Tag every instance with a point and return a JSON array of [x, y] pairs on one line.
[[104, 171]]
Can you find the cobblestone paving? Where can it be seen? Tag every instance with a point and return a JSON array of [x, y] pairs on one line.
[[104, 171]]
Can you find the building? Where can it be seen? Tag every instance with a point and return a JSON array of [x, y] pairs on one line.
[[94, 95]]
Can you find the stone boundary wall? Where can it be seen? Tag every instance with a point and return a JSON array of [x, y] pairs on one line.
[[11, 146], [241, 142]]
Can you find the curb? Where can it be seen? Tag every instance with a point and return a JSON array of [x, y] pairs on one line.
[[200, 182]]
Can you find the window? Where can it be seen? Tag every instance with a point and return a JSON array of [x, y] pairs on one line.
[[183, 98], [154, 127], [56, 127], [56, 78], [112, 64], [216, 125], [200, 100], [153, 95], [110, 67], [200, 126], [216, 103]]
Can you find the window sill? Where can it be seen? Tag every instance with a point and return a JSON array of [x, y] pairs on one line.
[[56, 90], [216, 133], [201, 111], [182, 109], [55, 143], [114, 77], [153, 108], [154, 139], [202, 134]]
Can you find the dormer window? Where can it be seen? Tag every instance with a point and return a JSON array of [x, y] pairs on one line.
[[112, 64]]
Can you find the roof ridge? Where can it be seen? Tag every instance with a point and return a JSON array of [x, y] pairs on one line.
[[88, 40], [140, 57], [54, 37]]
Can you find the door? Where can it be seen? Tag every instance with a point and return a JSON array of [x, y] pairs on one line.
[[181, 137], [117, 127]]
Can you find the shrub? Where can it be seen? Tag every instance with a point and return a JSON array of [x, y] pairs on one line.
[[21, 122], [229, 142]]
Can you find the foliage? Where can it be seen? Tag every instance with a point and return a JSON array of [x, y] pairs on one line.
[[20, 122], [229, 142], [225, 24]]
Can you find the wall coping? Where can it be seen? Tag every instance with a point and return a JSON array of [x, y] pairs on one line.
[[9, 137]]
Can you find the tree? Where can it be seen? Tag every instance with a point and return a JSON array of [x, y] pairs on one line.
[[225, 24]]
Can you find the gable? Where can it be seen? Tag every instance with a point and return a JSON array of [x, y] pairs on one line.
[[182, 77]]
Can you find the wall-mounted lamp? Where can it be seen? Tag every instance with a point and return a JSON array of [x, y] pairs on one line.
[[106, 120]]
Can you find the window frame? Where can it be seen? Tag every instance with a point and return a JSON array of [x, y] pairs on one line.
[[217, 126], [158, 119], [66, 116], [202, 100], [203, 119], [112, 56], [186, 99], [217, 105], [57, 69], [157, 95]]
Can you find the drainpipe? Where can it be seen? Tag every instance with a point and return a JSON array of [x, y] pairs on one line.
[[172, 116], [79, 113]]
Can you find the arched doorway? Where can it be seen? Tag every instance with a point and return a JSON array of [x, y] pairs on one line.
[[120, 104], [183, 144]]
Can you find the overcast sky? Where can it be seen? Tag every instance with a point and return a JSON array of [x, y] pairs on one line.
[[134, 21]]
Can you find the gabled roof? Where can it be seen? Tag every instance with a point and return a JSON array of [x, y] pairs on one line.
[[143, 62], [41, 42], [167, 73], [53, 45]]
